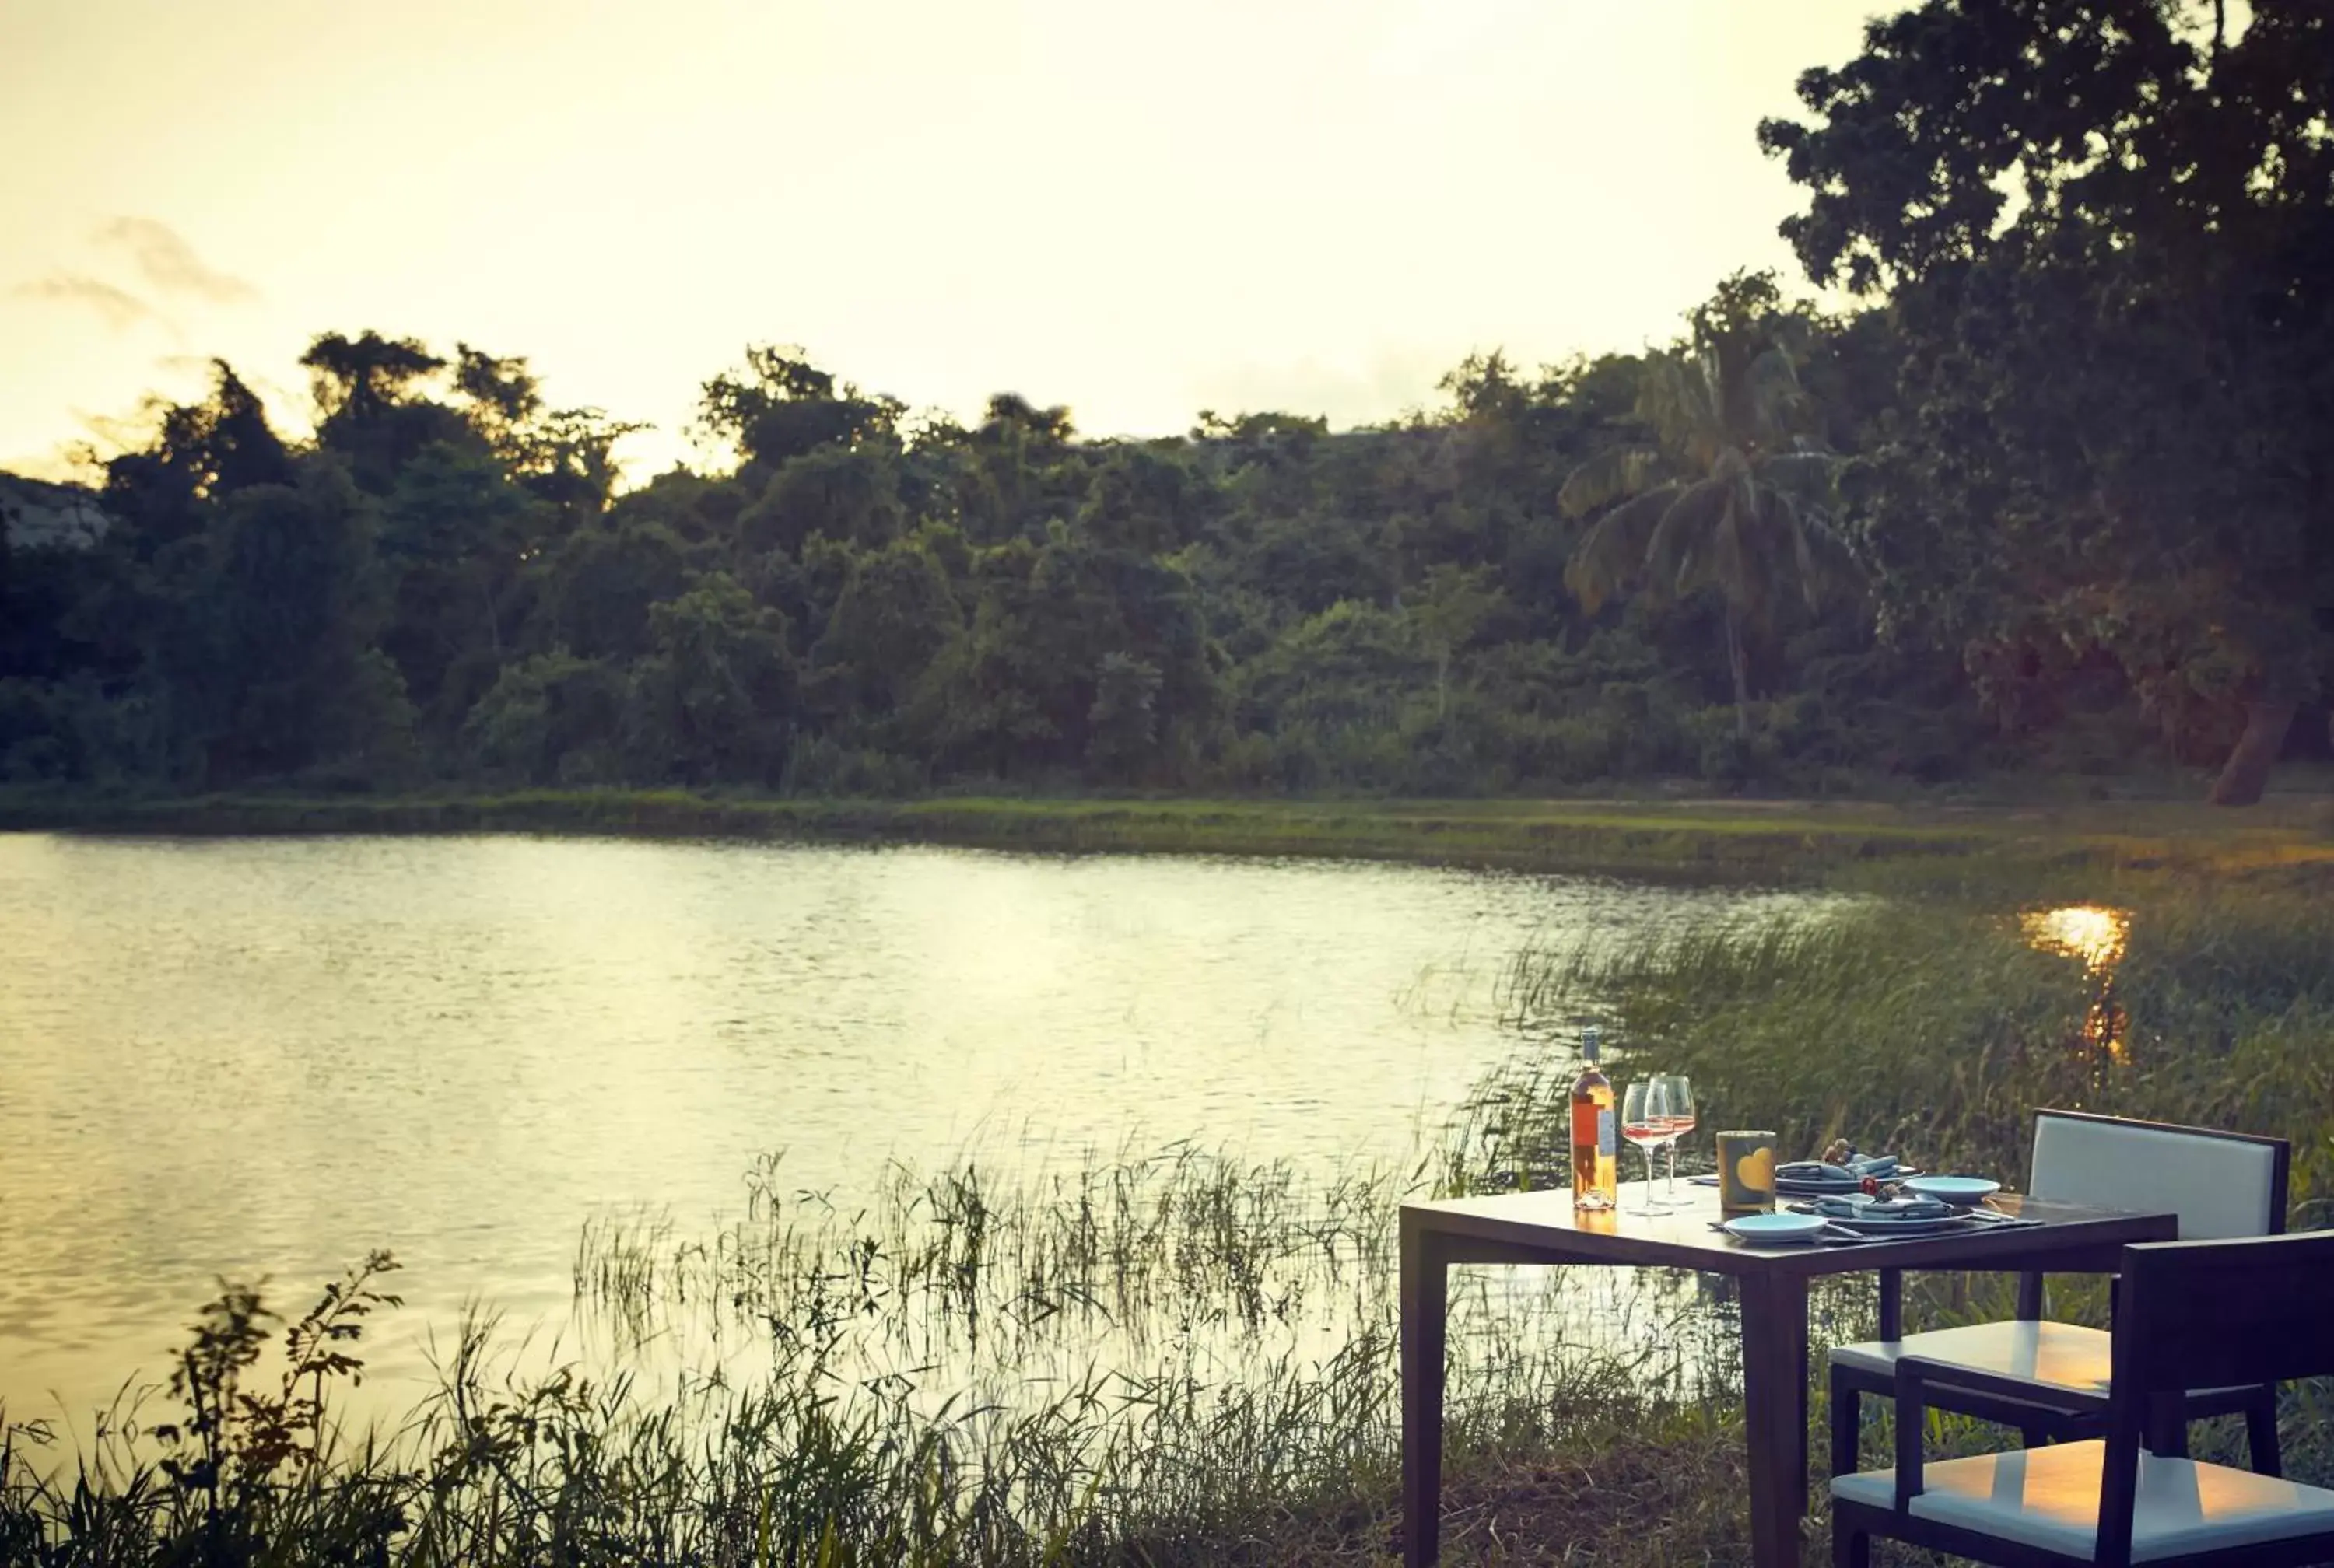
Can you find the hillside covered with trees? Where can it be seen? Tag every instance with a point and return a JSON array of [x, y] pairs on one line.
[[2056, 491]]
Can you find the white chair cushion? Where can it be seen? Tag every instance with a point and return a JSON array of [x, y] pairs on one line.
[[2050, 1497], [2046, 1352], [2063, 1354], [2219, 1186]]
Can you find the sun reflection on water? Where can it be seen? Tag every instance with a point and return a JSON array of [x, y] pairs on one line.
[[2097, 936], [2086, 931]]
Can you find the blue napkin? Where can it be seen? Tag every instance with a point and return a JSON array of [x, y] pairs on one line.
[[1895, 1208], [1879, 1167], [1854, 1169]]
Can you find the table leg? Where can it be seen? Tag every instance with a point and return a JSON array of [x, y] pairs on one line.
[[1775, 1410], [1425, 1301], [1892, 1304]]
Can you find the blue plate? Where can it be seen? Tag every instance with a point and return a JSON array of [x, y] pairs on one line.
[[1775, 1227], [1964, 1190]]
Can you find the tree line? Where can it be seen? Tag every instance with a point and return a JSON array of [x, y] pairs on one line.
[[2055, 491]]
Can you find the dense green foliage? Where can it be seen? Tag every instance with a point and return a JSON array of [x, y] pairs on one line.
[[443, 585], [2104, 234], [2056, 494]]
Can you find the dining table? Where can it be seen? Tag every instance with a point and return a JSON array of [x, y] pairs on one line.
[[1771, 1280]]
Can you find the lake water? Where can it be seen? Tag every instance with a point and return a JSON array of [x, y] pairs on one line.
[[253, 1057]]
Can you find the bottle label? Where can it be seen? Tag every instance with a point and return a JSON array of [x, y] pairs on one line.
[[1594, 1125]]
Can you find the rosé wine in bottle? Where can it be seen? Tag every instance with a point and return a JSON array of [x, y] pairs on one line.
[[1595, 1153]]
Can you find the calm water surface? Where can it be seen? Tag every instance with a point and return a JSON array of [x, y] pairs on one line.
[[266, 1057]]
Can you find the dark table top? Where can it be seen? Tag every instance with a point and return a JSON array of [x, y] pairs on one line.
[[1546, 1222]]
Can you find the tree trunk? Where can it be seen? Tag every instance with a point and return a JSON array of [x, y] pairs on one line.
[[1739, 663], [2246, 772], [493, 622]]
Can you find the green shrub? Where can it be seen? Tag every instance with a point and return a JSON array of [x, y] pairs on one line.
[[818, 766]]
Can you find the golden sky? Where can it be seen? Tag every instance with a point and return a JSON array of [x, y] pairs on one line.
[[1135, 208]]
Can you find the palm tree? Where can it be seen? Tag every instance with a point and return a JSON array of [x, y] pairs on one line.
[[1734, 494]]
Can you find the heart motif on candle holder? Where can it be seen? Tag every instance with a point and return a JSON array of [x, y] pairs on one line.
[[1746, 1169]]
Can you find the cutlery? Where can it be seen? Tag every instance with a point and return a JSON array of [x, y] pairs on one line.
[[1830, 1236]]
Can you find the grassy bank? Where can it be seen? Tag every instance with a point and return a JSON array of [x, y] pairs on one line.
[[1848, 844]]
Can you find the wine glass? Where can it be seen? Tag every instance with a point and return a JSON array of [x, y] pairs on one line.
[[1676, 1109], [1645, 1122]]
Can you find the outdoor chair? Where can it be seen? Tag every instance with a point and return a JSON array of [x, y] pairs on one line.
[[2044, 1378], [2224, 1313]]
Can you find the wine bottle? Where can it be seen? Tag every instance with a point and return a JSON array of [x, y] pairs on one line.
[[1596, 1152]]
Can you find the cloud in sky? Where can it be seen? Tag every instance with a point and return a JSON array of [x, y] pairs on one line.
[[170, 265], [165, 261], [1316, 205], [121, 309]]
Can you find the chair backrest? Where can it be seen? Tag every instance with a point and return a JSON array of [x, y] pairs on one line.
[[2211, 1314], [2195, 1314], [2221, 1183]]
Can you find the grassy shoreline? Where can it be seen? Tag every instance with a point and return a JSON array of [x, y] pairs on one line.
[[1791, 843]]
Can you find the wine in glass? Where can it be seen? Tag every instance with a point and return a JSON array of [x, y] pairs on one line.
[[1675, 1092], [1645, 1122]]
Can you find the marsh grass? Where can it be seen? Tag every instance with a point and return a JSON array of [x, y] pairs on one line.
[[1935, 1028], [960, 1263], [1175, 1360]]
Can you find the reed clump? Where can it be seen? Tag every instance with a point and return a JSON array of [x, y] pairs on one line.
[[1178, 1359], [962, 1265]]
